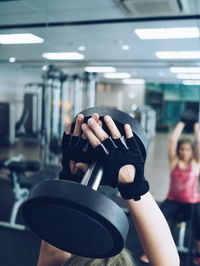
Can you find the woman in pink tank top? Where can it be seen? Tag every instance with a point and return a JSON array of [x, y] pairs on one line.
[[183, 195]]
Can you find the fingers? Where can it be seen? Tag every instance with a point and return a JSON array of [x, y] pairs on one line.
[[128, 131], [100, 123], [68, 128], [114, 131], [98, 131], [94, 141], [82, 166], [72, 166], [95, 116], [77, 128], [79, 121]]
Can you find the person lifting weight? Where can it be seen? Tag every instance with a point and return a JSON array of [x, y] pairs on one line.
[[183, 195], [124, 164]]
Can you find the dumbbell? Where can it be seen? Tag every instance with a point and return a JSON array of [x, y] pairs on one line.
[[75, 217], [189, 117]]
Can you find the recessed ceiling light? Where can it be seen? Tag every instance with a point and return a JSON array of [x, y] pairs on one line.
[[63, 56], [117, 75], [188, 76], [178, 54], [168, 33], [185, 69], [191, 82], [12, 59], [81, 48], [44, 68], [133, 81], [99, 69], [125, 47], [20, 38]]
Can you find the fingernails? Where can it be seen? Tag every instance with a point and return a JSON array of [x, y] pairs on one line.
[[95, 115], [107, 118], [80, 117], [127, 126], [91, 121]]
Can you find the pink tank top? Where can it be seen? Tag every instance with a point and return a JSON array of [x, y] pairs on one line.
[[184, 185]]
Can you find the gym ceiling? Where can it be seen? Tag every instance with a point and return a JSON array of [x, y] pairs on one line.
[[102, 27]]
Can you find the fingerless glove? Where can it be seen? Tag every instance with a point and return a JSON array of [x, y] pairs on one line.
[[76, 149], [116, 153]]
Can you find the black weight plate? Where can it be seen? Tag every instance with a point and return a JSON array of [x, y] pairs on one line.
[[77, 219], [120, 118]]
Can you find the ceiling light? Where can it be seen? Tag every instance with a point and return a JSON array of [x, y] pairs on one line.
[[63, 56], [191, 82], [20, 38], [168, 33], [99, 69], [44, 68], [185, 69], [12, 59], [178, 54], [125, 47], [81, 48], [133, 81], [188, 76], [117, 75]]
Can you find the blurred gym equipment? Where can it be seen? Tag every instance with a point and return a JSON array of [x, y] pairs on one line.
[[17, 167]]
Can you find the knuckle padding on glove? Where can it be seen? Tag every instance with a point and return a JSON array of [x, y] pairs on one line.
[[134, 190]]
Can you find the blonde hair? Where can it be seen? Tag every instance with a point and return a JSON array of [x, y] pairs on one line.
[[122, 259]]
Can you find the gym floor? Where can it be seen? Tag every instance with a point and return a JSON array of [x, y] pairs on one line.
[[21, 248]]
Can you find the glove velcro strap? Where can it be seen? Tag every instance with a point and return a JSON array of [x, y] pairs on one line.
[[134, 189]]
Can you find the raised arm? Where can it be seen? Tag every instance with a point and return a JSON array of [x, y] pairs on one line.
[[197, 141], [175, 135], [151, 226], [153, 231]]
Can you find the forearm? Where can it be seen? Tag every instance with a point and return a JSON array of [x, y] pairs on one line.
[[177, 131], [174, 140], [197, 140], [153, 231], [51, 256]]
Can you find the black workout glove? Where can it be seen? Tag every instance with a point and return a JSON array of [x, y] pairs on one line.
[[77, 149], [189, 117], [113, 154]]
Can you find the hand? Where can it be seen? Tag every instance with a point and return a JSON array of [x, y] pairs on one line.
[[189, 117], [77, 153], [121, 159]]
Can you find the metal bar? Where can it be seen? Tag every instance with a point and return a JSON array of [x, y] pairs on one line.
[[13, 226], [93, 176], [97, 179], [98, 22], [87, 175]]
